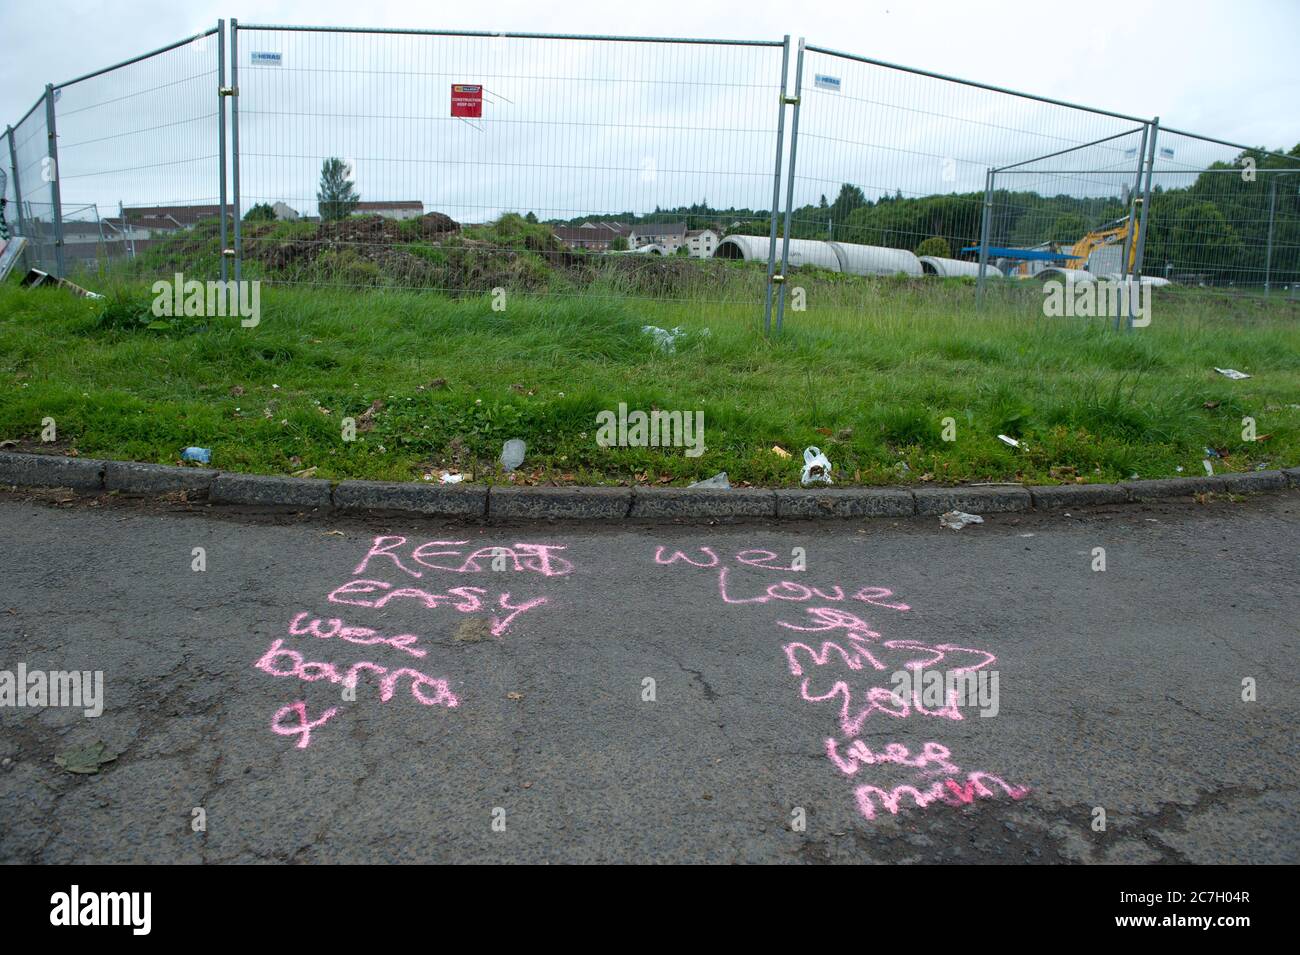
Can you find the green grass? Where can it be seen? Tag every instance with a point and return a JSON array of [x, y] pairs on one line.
[[867, 373]]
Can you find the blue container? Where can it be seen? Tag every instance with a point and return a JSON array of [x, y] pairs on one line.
[[202, 455]]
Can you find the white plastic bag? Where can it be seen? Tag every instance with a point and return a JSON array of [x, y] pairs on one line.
[[816, 467]]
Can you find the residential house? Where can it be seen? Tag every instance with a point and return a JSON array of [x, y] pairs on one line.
[[396, 209], [669, 236], [593, 236], [165, 220], [702, 242]]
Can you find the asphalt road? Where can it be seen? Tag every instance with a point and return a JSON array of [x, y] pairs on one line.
[[1118, 690]]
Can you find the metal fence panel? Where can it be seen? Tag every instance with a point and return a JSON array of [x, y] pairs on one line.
[[481, 161], [139, 161], [29, 207], [1223, 216], [873, 134]]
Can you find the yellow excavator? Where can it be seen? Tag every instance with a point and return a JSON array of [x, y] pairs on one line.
[[1112, 233]]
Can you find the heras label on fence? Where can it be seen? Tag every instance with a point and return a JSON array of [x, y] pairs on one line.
[[263, 58], [822, 81], [467, 100]]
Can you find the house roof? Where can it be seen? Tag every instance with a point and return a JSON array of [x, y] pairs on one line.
[[170, 217], [395, 204], [567, 233], [660, 228]]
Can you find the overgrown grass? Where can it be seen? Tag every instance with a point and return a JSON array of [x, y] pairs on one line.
[[868, 373]]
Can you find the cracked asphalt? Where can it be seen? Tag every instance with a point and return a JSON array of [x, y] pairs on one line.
[[1118, 690]]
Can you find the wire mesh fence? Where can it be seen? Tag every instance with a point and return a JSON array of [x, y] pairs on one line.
[[473, 163]]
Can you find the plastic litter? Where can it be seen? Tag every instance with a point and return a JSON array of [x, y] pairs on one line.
[[449, 477], [816, 467], [202, 455], [779, 451], [1209, 468], [718, 480], [512, 454], [35, 278], [1006, 439], [666, 339], [1232, 373], [959, 519]]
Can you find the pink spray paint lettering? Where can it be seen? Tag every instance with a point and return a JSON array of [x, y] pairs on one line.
[[304, 727], [408, 559], [462, 599], [520, 558], [283, 662], [364, 636], [858, 661]]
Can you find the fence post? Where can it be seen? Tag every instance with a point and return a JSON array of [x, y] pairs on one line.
[[1146, 198], [18, 190], [221, 140], [55, 196], [789, 188], [234, 144], [1268, 252], [984, 236], [1126, 265], [776, 187]]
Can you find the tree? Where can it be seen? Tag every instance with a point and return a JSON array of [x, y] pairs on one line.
[[619, 244], [849, 199], [531, 217], [336, 196], [935, 246], [262, 212]]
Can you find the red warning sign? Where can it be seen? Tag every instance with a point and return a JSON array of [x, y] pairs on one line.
[[467, 100]]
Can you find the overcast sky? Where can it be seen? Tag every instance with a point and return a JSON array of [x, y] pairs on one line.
[[1224, 69]]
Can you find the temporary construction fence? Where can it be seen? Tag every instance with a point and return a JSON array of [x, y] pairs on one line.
[[471, 162]]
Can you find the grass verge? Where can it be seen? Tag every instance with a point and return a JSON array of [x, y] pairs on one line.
[[868, 373]]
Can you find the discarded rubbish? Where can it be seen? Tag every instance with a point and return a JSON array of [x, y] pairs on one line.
[[959, 519], [718, 480], [450, 477], [10, 250], [667, 338], [1005, 439], [816, 467], [1211, 453], [35, 278], [779, 451], [1231, 373], [512, 454], [85, 760], [306, 472], [1209, 468], [201, 455]]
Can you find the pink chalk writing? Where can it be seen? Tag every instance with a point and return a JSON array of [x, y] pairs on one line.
[[859, 754], [948, 791], [325, 629], [855, 705], [282, 662], [797, 593], [862, 655], [304, 727], [529, 558], [462, 599]]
